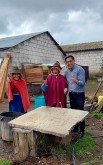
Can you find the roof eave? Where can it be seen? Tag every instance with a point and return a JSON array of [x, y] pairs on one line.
[[5, 48], [57, 44], [83, 50]]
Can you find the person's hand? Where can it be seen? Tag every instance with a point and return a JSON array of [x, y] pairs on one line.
[[44, 82], [8, 79], [65, 91], [42, 85], [74, 80]]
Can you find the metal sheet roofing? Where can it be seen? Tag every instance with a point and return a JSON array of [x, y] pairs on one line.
[[15, 40]]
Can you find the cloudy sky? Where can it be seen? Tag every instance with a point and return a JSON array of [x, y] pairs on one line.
[[69, 21]]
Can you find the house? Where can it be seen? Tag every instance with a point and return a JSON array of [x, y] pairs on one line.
[[32, 50], [36, 48], [87, 54]]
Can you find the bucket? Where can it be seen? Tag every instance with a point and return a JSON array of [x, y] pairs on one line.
[[39, 101], [6, 130], [100, 98], [87, 107], [44, 87]]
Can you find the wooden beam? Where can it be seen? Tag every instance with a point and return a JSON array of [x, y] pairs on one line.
[[3, 75]]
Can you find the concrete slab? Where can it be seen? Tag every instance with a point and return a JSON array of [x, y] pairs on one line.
[[50, 120]]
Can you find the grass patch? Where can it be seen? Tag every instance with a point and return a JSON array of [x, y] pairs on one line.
[[82, 148], [85, 146], [60, 151], [85, 163], [5, 162], [92, 82], [48, 147], [97, 114], [91, 87], [96, 160]]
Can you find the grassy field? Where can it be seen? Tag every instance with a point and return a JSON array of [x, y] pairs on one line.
[[91, 87]]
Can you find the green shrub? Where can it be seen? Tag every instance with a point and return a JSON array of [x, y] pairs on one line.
[[5, 162]]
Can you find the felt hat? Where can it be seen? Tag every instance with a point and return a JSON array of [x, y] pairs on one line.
[[56, 66], [16, 70]]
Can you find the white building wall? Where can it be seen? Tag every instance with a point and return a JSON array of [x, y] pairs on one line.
[[39, 49], [93, 59]]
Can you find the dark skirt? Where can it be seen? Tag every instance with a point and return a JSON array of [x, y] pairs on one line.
[[16, 104]]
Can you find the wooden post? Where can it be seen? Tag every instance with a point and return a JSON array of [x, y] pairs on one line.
[[25, 144], [23, 71], [3, 75]]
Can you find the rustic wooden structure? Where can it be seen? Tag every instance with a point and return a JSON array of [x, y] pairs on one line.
[[46, 71], [35, 74], [49, 120], [3, 75]]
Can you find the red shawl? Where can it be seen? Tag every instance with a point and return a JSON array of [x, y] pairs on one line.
[[55, 92], [22, 88]]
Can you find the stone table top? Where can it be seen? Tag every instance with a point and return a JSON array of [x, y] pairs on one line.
[[50, 120]]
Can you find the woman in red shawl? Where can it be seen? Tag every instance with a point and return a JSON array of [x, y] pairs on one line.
[[17, 93], [55, 94]]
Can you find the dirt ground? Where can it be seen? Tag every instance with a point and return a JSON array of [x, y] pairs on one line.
[[91, 87], [6, 148], [93, 125]]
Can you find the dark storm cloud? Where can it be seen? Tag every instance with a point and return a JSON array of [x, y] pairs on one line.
[[68, 21]]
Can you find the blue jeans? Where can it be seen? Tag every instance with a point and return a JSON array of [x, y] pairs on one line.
[[77, 102]]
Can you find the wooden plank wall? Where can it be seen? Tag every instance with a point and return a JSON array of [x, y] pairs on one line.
[[34, 75]]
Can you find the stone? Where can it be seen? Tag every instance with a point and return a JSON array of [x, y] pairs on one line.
[[50, 120]]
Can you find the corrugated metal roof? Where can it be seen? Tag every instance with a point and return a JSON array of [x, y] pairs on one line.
[[83, 46], [13, 41]]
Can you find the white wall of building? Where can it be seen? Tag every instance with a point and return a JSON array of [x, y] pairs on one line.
[[93, 59], [39, 49]]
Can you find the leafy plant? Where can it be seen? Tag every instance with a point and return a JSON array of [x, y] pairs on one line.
[[5, 162], [97, 114]]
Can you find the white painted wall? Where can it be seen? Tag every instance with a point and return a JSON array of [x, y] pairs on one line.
[[93, 59], [40, 49]]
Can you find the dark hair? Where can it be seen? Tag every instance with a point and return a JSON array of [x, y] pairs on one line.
[[17, 73], [70, 56]]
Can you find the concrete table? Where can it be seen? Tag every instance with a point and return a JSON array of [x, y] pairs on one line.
[[48, 120]]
